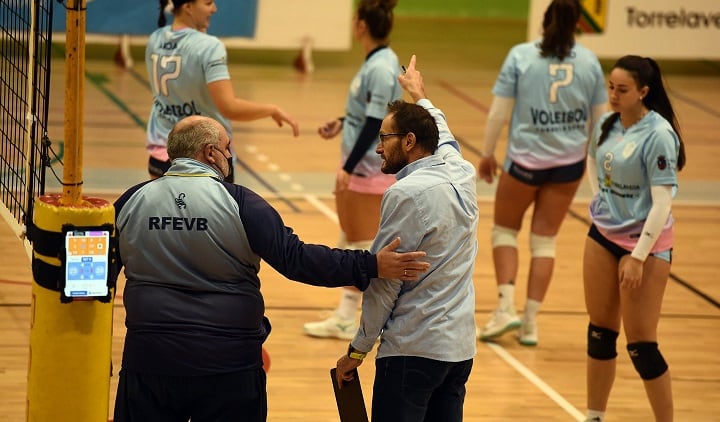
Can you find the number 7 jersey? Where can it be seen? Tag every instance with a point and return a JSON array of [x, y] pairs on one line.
[[553, 104], [180, 65]]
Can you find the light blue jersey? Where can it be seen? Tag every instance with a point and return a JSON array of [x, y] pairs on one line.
[[180, 65], [548, 127], [629, 162], [372, 89]]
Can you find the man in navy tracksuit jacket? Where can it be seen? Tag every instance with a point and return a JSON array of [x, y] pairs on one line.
[[191, 245]]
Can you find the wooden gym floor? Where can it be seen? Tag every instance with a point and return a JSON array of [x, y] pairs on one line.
[[459, 61]]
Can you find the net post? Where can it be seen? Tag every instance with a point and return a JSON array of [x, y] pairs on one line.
[[74, 101]]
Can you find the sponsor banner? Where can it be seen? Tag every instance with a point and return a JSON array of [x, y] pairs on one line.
[[268, 24], [235, 18], [593, 16], [661, 29]]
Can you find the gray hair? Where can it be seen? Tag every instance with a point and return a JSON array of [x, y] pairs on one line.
[[187, 140]]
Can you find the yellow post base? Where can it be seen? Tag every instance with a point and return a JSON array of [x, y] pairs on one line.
[[70, 343]]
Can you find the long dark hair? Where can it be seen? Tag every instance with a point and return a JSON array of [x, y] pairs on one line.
[[646, 73], [378, 15], [163, 4], [559, 23]]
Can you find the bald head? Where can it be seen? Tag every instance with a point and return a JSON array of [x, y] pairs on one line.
[[190, 135]]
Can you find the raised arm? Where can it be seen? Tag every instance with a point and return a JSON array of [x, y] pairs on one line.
[[412, 82]]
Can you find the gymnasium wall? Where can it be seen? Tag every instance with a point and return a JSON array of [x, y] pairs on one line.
[[274, 24], [662, 29]]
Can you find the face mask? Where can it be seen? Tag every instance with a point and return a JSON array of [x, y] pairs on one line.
[[231, 171]]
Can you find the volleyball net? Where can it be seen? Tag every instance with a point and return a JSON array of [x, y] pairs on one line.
[[25, 43]]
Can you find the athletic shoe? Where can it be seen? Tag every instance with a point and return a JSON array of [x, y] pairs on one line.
[[334, 326], [527, 334], [595, 419], [500, 323]]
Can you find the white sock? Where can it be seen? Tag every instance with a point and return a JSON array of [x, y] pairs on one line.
[[360, 245], [506, 297], [350, 299], [595, 415], [532, 307], [342, 241], [349, 303]]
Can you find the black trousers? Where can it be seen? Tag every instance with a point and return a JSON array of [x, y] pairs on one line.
[[414, 389], [238, 396]]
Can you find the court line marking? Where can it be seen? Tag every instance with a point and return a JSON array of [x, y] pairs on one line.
[[327, 211], [536, 381], [499, 350]]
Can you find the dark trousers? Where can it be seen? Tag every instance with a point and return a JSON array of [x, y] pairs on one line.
[[413, 389], [238, 396]]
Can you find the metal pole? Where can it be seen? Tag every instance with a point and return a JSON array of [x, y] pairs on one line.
[[74, 102]]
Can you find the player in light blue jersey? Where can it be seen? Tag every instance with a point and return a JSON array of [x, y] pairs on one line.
[[359, 183], [556, 90], [189, 75], [633, 160]]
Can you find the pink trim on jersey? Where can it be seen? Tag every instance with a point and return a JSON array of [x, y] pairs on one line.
[[663, 243], [376, 184], [158, 152]]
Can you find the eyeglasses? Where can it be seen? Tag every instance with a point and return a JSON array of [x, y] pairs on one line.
[[382, 136]]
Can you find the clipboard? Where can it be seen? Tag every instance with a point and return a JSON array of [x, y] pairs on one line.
[[349, 399]]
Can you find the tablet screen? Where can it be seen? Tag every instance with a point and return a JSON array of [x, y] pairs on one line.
[[86, 267]]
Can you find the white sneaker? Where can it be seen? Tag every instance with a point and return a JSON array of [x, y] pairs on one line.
[[334, 326], [527, 335], [500, 323]]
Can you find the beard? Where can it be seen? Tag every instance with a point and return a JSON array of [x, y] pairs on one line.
[[393, 164]]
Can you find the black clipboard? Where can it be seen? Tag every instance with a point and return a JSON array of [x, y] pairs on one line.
[[349, 399]]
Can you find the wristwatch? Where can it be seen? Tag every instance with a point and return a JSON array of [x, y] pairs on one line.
[[355, 354]]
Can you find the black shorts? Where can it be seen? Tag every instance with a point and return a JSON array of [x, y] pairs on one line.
[[563, 174], [616, 250], [158, 168]]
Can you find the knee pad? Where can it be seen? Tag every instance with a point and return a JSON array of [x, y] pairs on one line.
[[601, 343], [503, 236], [646, 358], [542, 246], [361, 245]]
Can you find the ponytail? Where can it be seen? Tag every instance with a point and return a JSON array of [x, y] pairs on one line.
[[606, 125], [378, 15], [161, 19], [657, 99], [176, 4], [559, 23]]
